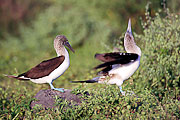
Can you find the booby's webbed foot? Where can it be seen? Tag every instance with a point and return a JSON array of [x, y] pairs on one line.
[[130, 93], [58, 89], [122, 92], [126, 93]]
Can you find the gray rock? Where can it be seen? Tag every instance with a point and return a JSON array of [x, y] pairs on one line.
[[47, 98]]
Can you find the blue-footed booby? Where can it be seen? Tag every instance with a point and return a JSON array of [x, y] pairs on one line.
[[49, 70], [117, 66]]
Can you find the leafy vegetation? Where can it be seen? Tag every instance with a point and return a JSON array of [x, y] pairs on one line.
[[90, 29], [161, 55]]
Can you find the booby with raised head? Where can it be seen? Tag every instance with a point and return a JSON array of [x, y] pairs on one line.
[[117, 66]]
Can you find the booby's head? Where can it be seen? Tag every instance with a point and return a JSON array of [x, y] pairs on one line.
[[129, 27], [60, 41], [129, 44]]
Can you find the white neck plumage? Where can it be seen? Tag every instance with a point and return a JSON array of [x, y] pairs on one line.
[[133, 48], [129, 44], [62, 51]]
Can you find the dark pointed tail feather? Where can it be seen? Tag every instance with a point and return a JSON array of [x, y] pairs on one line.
[[103, 65], [86, 81], [15, 77]]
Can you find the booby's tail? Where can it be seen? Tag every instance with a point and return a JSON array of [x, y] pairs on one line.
[[16, 77], [94, 80], [86, 81]]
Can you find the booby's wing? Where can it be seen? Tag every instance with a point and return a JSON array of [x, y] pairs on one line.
[[115, 58], [43, 69], [108, 57]]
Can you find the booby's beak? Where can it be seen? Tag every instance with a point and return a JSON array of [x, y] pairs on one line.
[[69, 46], [129, 27]]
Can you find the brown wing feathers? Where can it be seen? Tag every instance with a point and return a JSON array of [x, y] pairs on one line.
[[110, 59], [44, 68], [107, 57]]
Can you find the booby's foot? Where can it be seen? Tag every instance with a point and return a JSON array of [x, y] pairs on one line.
[[59, 89], [126, 93], [122, 92], [130, 93]]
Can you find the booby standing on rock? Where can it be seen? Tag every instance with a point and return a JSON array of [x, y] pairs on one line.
[[117, 66], [49, 70]]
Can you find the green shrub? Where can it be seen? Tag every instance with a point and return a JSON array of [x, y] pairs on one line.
[[160, 66], [14, 102]]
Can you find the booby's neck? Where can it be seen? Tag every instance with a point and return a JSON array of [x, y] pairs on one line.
[[130, 45], [61, 50]]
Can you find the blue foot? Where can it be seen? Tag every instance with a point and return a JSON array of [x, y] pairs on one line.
[[122, 92], [126, 93], [130, 93], [58, 89]]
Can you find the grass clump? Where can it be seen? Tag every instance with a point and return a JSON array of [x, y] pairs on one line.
[[14, 103]]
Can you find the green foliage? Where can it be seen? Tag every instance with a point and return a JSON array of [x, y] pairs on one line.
[[104, 102], [160, 65], [156, 83], [14, 103], [14, 13]]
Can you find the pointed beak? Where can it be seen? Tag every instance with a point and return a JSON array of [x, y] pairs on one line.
[[69, 46], [129, 27]]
